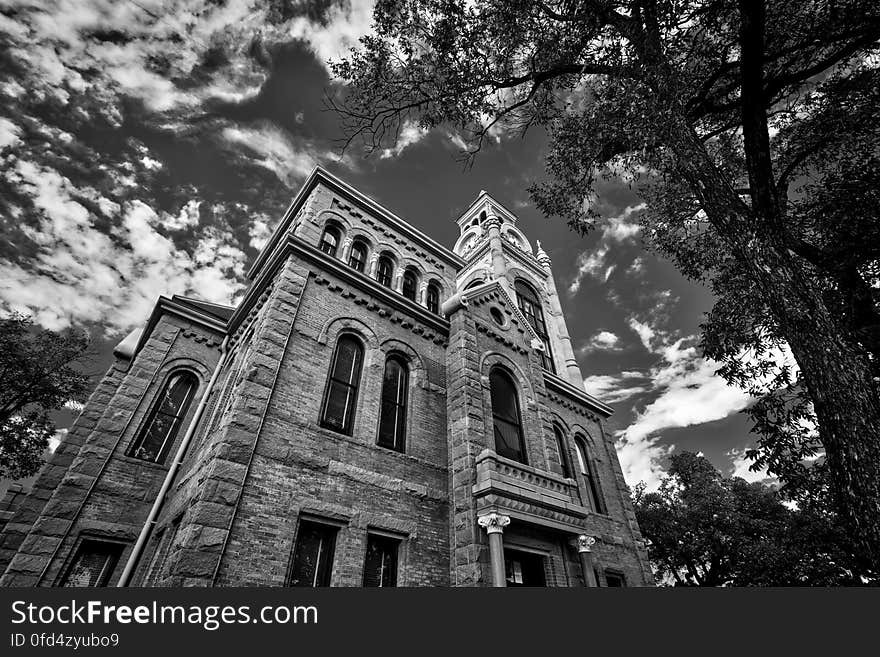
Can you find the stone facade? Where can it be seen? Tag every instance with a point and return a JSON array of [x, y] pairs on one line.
[[251, 461]]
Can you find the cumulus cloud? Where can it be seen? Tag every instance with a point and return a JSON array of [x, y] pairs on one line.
[[82, 273], [410, 133], [9, 134], [617, 388], [622, 227], [741, 467], [338, 30], [602, 341], [591, 263]]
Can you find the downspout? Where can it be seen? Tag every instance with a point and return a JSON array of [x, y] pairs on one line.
[[135, 555]]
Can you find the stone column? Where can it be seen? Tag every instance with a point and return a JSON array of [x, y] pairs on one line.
[[346, 249], [374, 263], [496, 250], [585, 552], [564, 349], [494, 524]]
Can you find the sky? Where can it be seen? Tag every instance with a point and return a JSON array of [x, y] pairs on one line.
[[150, 148]]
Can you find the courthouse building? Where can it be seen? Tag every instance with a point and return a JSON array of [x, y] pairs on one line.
[[378, 410]]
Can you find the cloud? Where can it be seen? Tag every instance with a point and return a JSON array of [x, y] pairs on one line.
[[637, 267], [83, 273], [602, 341], [741, 468], [617, 388], [620, 228], [259, 232], [591, 263], [337, 32], [9, 133], [410, 133]]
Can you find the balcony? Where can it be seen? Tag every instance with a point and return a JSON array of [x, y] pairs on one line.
[[519, 489]]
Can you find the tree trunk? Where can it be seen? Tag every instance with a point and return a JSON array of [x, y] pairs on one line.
[[835, 370]]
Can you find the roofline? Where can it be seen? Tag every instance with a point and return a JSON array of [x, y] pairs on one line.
[[321, 175], [166, 305], [482, 196], [562, 386]]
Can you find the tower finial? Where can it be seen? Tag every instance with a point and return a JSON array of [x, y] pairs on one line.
[[542, 256]]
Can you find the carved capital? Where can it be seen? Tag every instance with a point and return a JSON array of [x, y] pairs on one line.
[[585, 543], [493, 523], [492, 221]]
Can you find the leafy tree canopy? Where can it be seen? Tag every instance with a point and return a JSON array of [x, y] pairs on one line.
[[703, 529], [38, 375]]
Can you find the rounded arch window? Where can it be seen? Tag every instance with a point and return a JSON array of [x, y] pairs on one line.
[[432, 297], [159, 432], [588, 470], [330, 239], [392, 415], [340, 398], [531, 307], [506, 417], [410, 284], [357, 258], [563, 451], [385, 270]]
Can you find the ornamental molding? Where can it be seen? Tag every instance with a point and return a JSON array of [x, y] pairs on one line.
[[585, 543], [493, 523]]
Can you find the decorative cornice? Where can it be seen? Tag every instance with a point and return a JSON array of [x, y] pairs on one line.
[[362, 201], [167, 306], [568, 393]]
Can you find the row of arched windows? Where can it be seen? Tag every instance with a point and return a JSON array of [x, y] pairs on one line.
[[331, 240]]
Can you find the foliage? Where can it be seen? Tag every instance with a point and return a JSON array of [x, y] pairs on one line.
[[752, 130], [38, 374], [706, 530]]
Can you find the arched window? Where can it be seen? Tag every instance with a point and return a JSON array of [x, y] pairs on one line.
[[163, 424], [432, 298], [506, 416], [342, 388], [330, 239], [357, 258], [563, 451], [392, 418], [385, 270], [531, 307], [588, 470], [410, 284], [474, 283]]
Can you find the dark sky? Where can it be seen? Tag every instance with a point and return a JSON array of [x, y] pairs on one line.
[[144, 152]]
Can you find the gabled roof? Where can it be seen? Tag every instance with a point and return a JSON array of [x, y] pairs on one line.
[[222, 313]]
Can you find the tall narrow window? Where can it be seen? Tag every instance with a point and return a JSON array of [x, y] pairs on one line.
[[357, 259], [432, 298], [506, 416], [313, 556], [563, 451], [342, 388], [93, 564], [410, 284], [330, 240], [380, 565], [385, 271], [392, 419], [615, 579], [589, 472], [158, 433], [528, 302]]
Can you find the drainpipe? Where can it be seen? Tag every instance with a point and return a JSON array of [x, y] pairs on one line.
[[135, 555]]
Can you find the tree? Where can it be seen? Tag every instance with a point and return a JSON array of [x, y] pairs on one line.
[[750, 127], [36, 368], [706, 530]]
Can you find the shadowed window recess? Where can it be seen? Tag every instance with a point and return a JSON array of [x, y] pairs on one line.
[[166, 417], [588, 470], [357, 259], [313, 555], [330, 240], [432, 298], [392, 418], [385, 270], [506, 416], [93, 564], [410, 284], [340, 399], [529, 304], [524, 568], [563, 451], [380, 565]]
